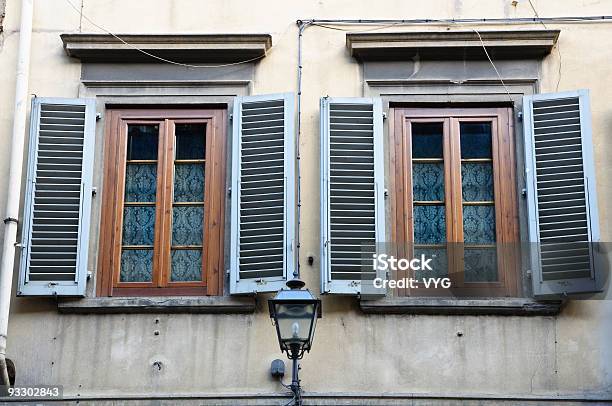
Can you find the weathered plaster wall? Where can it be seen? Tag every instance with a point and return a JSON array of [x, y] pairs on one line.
[[112, 355], [2, 15]]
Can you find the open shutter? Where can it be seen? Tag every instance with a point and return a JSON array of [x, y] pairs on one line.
[[263, 193], [352, 192], [562, 204], [57, 204]]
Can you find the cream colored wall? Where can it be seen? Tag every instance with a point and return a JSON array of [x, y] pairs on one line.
[[353, 352]]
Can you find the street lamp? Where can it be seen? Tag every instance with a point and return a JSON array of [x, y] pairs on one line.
[[295, 312]]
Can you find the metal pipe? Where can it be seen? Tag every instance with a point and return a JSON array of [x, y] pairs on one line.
[[295, 356], [519, 20], [303, 24], [295, 383], [301, 27], [14, 179]]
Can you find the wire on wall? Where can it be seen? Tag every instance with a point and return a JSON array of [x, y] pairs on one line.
[[492, 64], [338, 24], [159, 58]]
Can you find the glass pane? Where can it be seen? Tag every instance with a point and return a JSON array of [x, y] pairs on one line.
[[187, 225], [138, 225], [480, 264], [439, 262], [479, 224], [427, 140], [140, 182], [186, 265], [429, 224], [136, 266], [477, 181], [142, 141], [475, 140], [189, 183], [428, 182], [190, 141]]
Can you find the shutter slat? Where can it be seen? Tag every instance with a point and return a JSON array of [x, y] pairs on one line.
[[561, 193], [352, 213], [58, 198], [262, 193]]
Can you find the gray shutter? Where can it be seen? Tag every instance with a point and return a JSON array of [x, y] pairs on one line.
[[352, 192], [57, 204], [263, 193], [562, 203]]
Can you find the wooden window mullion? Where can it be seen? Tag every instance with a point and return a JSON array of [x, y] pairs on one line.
[[455, 246], [165, 205]]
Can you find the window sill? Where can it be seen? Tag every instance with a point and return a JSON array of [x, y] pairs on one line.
[[442, 306], [204, 304]]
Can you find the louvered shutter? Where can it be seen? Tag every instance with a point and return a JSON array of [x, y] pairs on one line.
[[562, 203], [352, 192], [57, 204], [263, 193]]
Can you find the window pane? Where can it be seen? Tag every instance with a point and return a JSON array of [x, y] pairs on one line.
[[138, 225], [428, 182], [190, 141], [477, 181], [136, 266], [475, 140], [479, 224], [427, 140], [140, 182], [187, 225], [186, 266], [480, 264], [142, 141], [189, 182], [439, 262], [429, 224]]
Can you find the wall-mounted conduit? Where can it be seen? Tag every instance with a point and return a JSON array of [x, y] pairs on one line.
[[338, 24]]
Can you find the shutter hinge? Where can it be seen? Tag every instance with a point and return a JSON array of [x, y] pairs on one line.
[[231, 117], [386, 193], [89, 275], [384, 114], [519, 115], [524, 192], [229, 191], [98, 116], [94, 191]]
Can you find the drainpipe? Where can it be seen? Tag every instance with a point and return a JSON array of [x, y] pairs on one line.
[[14, 180]]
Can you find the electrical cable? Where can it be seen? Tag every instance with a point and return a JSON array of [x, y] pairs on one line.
[[557, 45], [492, 64], [159, 58]]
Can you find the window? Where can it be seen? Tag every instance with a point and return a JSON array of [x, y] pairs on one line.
[[455, 196], [163, 208]]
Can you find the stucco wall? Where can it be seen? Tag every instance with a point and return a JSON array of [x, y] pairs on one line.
[[114, 355], [2, 15]]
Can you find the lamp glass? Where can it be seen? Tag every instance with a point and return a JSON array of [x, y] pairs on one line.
[[295, 321]]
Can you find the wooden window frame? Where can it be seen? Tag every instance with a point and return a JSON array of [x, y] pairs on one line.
[[115, 147], [505, 194]]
